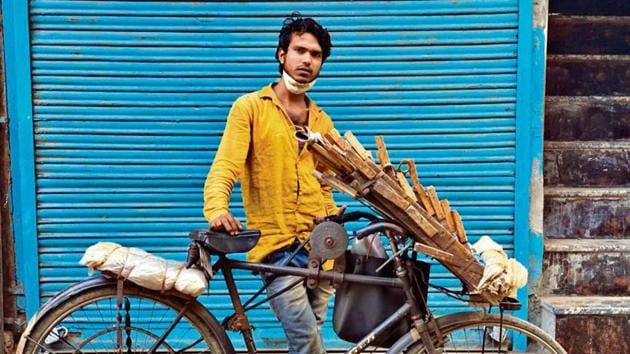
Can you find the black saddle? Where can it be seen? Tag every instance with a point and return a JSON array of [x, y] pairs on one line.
[[218, 242]]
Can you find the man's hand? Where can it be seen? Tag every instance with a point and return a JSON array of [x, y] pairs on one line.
[[321, 219], [226, 222]]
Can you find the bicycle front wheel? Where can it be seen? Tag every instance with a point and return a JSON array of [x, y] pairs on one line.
[[90, 321], [479, 332]]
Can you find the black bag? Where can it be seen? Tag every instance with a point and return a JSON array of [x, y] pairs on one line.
[[359, 308]]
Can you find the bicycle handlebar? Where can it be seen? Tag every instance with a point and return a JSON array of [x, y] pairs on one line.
[[377, 224], [378, 227], [352, 216]]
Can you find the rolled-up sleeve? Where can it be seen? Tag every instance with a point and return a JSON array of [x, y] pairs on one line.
[[228, 162]]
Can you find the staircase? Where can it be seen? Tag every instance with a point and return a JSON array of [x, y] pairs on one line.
[[586, 275]]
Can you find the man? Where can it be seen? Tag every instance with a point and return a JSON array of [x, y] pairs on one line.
[[280, 195]]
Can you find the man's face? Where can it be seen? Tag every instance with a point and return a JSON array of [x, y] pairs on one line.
[[303, 58]]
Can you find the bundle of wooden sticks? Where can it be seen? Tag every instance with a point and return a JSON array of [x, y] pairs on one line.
[[437, 230]]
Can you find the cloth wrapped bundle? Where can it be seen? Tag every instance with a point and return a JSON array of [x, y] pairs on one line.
[[144, 269], [501, 276]]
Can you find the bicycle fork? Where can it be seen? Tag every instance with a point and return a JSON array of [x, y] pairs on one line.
[[404, 271]]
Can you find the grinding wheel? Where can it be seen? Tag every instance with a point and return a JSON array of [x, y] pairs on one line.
[[329, 240]]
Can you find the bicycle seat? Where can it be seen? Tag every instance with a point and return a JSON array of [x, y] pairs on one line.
[[219, 242]]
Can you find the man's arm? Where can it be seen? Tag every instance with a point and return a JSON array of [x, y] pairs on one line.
[[226, 168], [329, 202]]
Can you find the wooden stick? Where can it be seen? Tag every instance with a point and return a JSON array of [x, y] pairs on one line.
[[424, 199], [402, 207], [366, 167], [335, 183], [435, 202], [434, 252], [402, 181], [328, 159], [356, 145], [383, 157], [447, 213], [335, 138], [459, 225], [417, 187]]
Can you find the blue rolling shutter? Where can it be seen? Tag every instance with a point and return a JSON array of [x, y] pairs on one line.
[[130, 100]]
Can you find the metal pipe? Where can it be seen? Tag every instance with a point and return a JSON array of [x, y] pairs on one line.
[[322, 275]]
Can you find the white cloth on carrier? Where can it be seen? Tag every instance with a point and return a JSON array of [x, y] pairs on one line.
[[144, 269], [501, 276]]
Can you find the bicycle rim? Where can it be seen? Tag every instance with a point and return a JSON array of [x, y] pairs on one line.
[[92, 323], [486, 333]]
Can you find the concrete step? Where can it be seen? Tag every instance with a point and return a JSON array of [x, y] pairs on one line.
[[588, 35], [588, 75], [584, 164], [590, 7], [587, 118], [586, 212], [588, 324], [586, 267]]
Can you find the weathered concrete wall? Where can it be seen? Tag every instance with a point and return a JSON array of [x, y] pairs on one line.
[[585, 75], [590, 7], [587, 118], [587, 267], [597, 35], [589, 334], [589, 324], [588, 214], [587, 164]]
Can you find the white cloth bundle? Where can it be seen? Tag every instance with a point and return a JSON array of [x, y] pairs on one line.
[[144, 269], [501, 276]]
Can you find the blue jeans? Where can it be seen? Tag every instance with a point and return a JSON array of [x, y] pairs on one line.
[[301, 311]]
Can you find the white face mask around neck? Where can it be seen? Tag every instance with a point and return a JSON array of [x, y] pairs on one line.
[[295, 87]]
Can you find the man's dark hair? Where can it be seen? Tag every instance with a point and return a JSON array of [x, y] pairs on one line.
[[298, 24]]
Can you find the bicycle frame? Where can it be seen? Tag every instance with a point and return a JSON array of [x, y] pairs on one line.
[[410, 308]]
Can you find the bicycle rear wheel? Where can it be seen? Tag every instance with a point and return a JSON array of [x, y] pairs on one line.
[[478, 332], [148, 321]]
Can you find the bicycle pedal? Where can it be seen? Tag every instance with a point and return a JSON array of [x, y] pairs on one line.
[[227, 320], [235, 323]]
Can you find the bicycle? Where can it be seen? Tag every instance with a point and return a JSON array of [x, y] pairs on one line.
[[107, 314]]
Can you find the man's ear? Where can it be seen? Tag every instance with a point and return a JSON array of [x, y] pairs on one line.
[[281, 55]]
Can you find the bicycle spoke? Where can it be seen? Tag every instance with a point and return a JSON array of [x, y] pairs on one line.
[[47, 350], [168, 330], [103, 320], [150, 318], [183, 335], [77, 350], [190, 346], [85, 315]]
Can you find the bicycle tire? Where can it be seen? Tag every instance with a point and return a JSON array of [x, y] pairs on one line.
[[92, 328], [480, 325]]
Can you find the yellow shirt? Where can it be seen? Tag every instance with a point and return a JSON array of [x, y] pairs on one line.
[[280, 194]]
